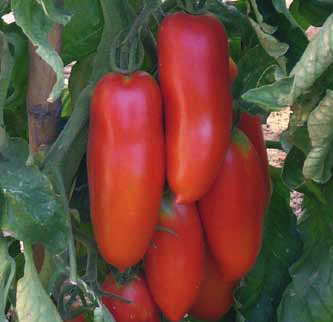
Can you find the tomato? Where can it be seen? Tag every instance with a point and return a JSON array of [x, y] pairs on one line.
[[142, 307], [80, 318], [193, 65], [215, 295], [251, 126], [174, 261], [233, 69], [232, 211], [125, 165]]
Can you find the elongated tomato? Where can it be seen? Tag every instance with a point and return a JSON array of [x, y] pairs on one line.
[[142, 307], [125, 165], [174, 261], [215, 296], [251, 126], [193, 65], [232, 211]]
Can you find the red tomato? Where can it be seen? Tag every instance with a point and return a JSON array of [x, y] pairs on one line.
[[215, 295], [125, 165], [233, 69], [195, 82], [233, 210], [142, 307], [80, 318], [174, 261], [251, 126]]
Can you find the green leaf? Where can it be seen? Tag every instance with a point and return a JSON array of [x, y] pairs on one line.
[[309, 296], [79, 77], [82, 34], [271, 97], [311, 12], [235, 22], [117, 17], [55, 14], [6, 66], [4, 7], [299, 137], [315, 60], [319, 162], [30, 16], [260, 292], [292, 173], [15, 114], [102, 314], [265, 27], [277, 14], [281, 7], [32, 301], [32, 211], [272, 46], [251, 67], [7, 274]]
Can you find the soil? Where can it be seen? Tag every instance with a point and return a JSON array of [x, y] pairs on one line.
[[276, 124]]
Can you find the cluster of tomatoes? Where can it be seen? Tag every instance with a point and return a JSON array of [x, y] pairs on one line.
[[201, 235]]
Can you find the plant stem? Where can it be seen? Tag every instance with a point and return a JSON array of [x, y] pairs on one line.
[[274, 145]]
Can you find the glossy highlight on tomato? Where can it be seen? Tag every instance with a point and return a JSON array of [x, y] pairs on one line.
[[125, 165], [174, 261], [193, 65], [233, 210], [215, 296], [251, 126], [142, 307]]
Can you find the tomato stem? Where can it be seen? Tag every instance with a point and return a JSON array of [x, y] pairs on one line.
[[127, 51]]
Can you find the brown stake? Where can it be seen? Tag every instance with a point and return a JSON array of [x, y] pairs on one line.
[[43, 116]]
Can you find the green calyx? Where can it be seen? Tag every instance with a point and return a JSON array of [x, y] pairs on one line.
[[240, 139]]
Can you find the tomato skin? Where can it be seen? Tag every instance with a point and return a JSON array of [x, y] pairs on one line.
[[125, 165], [232, 211], [174, 263], [80, 318], [142, 307], [233, 69], [215, 296], [195, 83], [251, 126]]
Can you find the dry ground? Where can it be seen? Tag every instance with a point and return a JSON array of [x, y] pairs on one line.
[[276, 124]]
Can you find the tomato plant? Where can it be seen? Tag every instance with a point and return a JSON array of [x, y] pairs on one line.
[[102, 102]]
